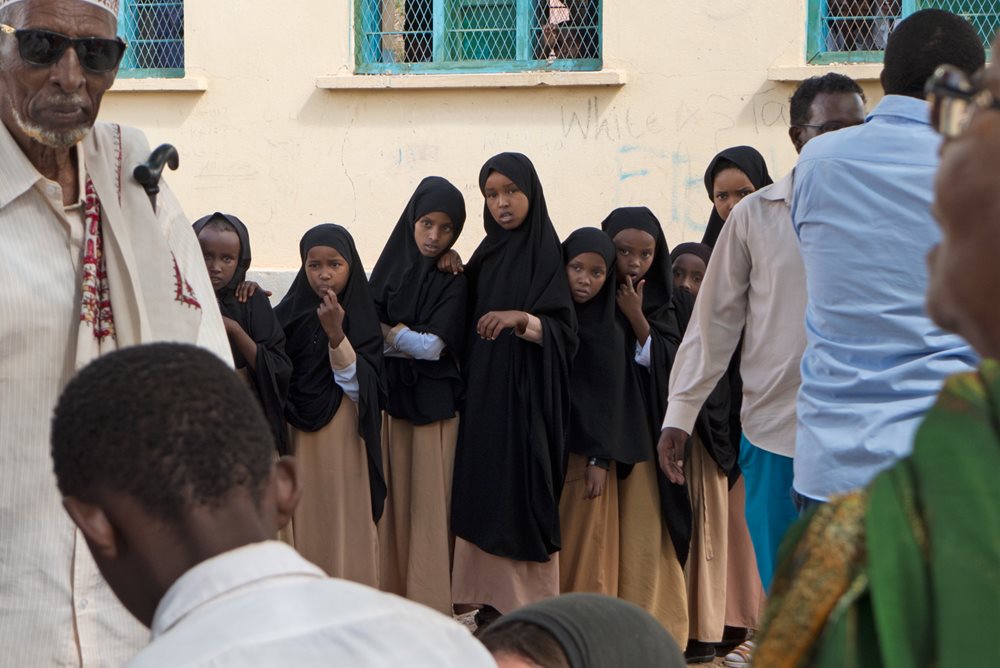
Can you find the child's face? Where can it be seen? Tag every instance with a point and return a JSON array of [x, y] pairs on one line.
[[731, 185], [586, 273], [327, 270], [689, 270], [635, 254], [507, 204], [434, 233], [221, 249]]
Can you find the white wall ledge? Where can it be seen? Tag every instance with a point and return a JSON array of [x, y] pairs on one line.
[[471, 80], [184, 85], [857, 71]]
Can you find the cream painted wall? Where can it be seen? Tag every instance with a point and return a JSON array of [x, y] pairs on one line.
[[263, 142]]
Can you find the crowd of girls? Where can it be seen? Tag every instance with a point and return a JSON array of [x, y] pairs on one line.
[[485, 438]]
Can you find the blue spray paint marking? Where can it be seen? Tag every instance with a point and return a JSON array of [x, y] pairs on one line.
[[624, 176]]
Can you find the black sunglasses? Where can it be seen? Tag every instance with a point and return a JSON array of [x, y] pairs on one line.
[[955, 98], [44, 48]]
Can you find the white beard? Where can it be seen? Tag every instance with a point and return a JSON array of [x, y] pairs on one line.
[[50, 138]]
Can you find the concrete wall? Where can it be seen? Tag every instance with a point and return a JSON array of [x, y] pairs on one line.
[[265, 143]]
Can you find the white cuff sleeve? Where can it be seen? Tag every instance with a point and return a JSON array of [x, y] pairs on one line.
[[644, 353], [418, 346]]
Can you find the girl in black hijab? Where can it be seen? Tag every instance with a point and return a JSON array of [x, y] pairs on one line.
[[607, 428], [732, 175], [655, 514], [583, 631], [255, 336], [511, 446], [334, 405], [422, 312]]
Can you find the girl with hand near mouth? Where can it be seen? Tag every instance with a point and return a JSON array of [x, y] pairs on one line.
[[655, 515], [422, 315], [334, 405], [255, 336], [511, 448]]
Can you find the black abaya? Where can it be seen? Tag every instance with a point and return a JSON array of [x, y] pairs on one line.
[[313, 395], [408, 289], [511, 447], [272, 368]]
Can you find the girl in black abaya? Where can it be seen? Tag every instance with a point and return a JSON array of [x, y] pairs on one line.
[[334, 405], [422, 314], [511, 447], [732, 175], [607, 430], [655, 514], [255, 336]]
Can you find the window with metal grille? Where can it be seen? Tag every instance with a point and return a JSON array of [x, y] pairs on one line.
[[451, 36], [856, 30], [154, 30]]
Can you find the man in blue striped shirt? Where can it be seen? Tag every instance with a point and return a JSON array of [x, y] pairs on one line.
[[874, 360]]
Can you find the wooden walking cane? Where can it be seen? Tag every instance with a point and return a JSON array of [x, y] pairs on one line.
[[148, 173]]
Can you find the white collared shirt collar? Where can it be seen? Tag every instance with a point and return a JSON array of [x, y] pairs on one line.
[[228, 572]]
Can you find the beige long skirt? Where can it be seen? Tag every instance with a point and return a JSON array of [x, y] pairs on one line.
[[415, 545], [588, 561], [333, 523], [649, 574], [480, 578], [744, 592], [708, 486]]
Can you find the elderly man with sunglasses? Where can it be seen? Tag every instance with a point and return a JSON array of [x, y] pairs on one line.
[[87, 266]]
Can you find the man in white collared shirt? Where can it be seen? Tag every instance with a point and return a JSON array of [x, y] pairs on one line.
[[164, 461], [755, 287]]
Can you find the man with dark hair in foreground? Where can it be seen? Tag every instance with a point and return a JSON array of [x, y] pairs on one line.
[[874, 361], [164, 461]]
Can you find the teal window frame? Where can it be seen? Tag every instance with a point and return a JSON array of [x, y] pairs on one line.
[[130, 30], [367, 17], [817, 31]]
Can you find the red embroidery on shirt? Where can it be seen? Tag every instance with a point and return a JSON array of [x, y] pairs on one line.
[[95, 307], [184, 293]]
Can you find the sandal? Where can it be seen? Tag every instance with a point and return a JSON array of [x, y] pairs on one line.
[[741, 656]]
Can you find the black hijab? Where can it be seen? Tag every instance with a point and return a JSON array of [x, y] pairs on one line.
[[597, 631], [511, 447], [603, 415], [665, 309], [273, 368], [699, 250], [750, 162], [409, 289], [313, 395]]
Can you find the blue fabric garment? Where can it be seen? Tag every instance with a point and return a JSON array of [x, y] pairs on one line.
[[769, 509], [874, 361]]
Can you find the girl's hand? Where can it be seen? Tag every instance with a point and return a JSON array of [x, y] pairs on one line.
[[493, 323], [385, 330], [331, 316], [596, 479], [246, 290], [450, 262], [630, 298]]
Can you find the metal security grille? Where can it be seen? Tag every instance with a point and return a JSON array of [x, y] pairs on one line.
[[439, 36], [154, 30], [857, 30]]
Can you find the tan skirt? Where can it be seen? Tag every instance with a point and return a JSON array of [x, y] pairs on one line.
[[744, 593], [588, 561], [333, 523], [706, 565], [415, 545], [649, 574], [481, 578]]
